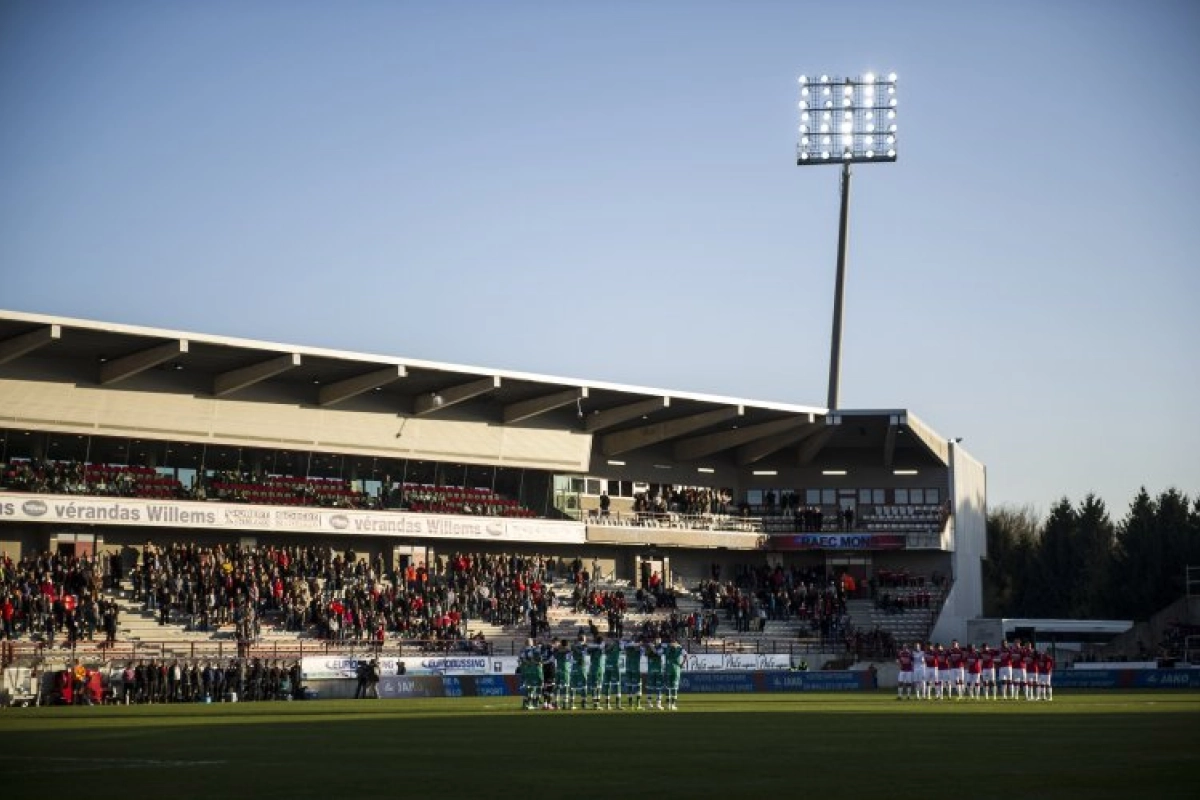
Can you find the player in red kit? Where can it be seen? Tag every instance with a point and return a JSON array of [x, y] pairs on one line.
[[1030, 657], [1012, 655], [943, 673], [931, 671], [904, 682], [974, 667], [1045, 670], [957, 659], [987, 658]]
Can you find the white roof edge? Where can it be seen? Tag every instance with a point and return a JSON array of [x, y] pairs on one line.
[[346, 355], [911, 417], [1050, 625], [867, 412]]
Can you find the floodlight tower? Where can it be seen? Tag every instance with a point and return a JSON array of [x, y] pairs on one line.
[[845, 121]]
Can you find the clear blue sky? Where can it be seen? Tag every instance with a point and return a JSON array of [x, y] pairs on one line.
[[609, 191]]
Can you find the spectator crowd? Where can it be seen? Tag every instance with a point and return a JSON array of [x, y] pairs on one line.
[[757, 595], [55, 598], [345, 598], [250, 486]]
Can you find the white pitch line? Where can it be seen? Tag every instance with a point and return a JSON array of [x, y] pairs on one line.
[[76, 764]]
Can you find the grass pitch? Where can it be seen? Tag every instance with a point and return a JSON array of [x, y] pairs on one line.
[[1102, 745]]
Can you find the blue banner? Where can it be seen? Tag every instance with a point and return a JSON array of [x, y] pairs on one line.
[[410, 686], [1126, 679], [481, 686], [709, 682], [840, 681]]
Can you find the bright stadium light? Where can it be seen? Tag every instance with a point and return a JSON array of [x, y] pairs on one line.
[[861, 101], [868, 112]]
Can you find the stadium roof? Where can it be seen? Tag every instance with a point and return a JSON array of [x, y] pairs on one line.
[[620, 416], [1096, 627]]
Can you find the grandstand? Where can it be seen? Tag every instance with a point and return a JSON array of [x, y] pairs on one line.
[[115, 438]]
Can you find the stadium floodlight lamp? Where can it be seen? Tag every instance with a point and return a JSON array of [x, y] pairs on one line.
[[863, 100], [864, 133]]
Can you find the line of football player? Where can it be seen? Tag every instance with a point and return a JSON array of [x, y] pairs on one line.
[[567, 675], [1009, 672]]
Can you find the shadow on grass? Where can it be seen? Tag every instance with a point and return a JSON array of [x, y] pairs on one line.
[[825, 746]]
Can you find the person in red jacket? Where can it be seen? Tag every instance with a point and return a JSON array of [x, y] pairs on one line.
[[7, 616]]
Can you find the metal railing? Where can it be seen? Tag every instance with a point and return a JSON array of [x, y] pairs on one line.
[[925, 535]]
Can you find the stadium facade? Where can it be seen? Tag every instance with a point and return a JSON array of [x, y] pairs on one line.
[[179, 436]]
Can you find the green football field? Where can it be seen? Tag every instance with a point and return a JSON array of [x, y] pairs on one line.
[[1098, 745]]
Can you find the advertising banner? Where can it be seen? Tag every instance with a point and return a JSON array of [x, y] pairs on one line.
[[838, 681], [134, 511], [1126, 679], [716, 682], [837, 541], [481, 686], [508, 685], [725, 662], [395, 686], [333, 667]]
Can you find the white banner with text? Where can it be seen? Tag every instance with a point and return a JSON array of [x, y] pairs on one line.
[[724, 662], [315, 668], [135, 511]]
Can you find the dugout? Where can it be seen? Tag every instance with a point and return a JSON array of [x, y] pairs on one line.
[[1071, 634]]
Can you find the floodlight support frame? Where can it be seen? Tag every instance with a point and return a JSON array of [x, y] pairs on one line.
[[839, 294]]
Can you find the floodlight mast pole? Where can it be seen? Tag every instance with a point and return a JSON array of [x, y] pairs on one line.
[[854, 126], [839, 294]]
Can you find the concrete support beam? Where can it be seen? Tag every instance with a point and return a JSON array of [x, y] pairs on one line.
[[615, 416], [637, 438], [341, 391], [17, 346], [453, 395], [237, 379], [756, 451], [125, 367], [889, 441], [525, 409], [701, 446], [813, 445], [937, 445]]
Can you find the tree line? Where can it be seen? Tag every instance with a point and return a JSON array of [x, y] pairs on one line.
[[1079, 564]]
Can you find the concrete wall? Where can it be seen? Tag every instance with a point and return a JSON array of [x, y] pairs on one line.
[[18, 540], [967, 534], [672, 537], [43, 396]]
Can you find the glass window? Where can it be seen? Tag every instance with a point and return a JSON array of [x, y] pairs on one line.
[[916, 496], [864, 495], [829, 497], [879, 496], [812, 497], [902, 497], [932, 496], [592, 486]]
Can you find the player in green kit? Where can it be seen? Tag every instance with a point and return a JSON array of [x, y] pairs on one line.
[[612, 673], [673, 655], [562, 677], [595, 675], [529, 664], [578, 687], [633, 672], [654, 675], [549, 673]]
